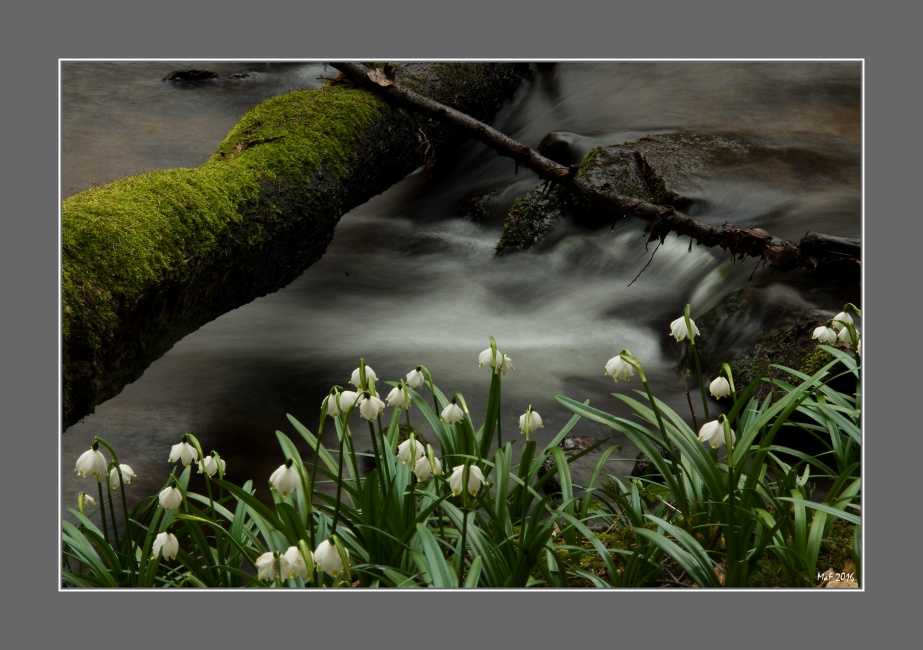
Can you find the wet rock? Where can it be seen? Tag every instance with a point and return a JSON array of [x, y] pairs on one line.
[[571, 445], [754, 328], [532, 216], [195, 74], [659, 170]]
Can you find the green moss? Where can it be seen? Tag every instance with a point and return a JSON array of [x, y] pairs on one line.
[[813, 362], [120, 239], [531, 217]]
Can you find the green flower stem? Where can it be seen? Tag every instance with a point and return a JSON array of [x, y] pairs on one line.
[[336, 509], [730, 377], [735, 575], [432, 389], [102, 509], [115, 527], [684, 501], [527, 452], [500, 419], [698, 367], [459, 569], [385, 445], [373, 435], [128, 527]]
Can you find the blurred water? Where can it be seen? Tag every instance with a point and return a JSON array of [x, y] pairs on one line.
[[405, 281]]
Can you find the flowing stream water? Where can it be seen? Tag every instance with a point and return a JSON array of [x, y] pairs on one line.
[[406, 281]]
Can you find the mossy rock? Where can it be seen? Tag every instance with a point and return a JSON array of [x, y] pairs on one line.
[[532, 216], [657, 170]]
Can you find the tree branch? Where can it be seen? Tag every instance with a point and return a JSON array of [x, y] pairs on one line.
[[815, 252]]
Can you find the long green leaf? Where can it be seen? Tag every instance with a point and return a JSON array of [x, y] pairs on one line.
[[441, 573]]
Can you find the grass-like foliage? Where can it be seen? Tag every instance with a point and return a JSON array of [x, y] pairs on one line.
[[722, 507]]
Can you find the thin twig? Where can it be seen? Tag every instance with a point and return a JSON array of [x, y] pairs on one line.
[[646, 265]]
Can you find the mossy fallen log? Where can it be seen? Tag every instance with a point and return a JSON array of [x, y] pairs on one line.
[[149, 259]]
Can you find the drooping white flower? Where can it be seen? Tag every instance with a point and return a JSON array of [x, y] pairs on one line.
[[505, 365], [327, 558], [530, 421], [340, 401], [270, 566], [396, 398], [122, 473], [91, 463], [679, 331], [719, 387], [618, 368], [295, 566], [824, 334], [845, 337], [475, 479], [423, 469], [210, 466], [370, 407], [166, 545], [87, 499], [840, 320], [184, 452], [408, 454], [415, 378], [713, 433], [370, 378], [453, 413], [170, 498], [489, 357], [285, 479]]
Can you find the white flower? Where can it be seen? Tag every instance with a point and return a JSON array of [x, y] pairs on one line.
[[488, 356], [123, 473], [184, 452], [285, 480], [171, 498], [845, 336], [370, 378], [534, 421], [453, 413], [713, 433], [719, 387], [210, 467], [499, 362], [327, 559], [679, 331], [294, 563], [840, 320], [91, 463], [269, 567], [340, 402], [404, 451], [618, 368], [475, 479], [165, 544], [415, 378], [88, 500], [424, 469], [824, 334], [370, 407], [396, 398]]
